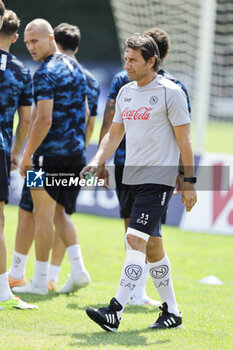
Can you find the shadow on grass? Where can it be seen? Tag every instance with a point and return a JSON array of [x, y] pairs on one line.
[[36, 298], [123, 338], [146, 309]]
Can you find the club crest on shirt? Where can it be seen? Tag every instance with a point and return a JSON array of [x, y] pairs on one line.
[[143, 113], [153, 100]]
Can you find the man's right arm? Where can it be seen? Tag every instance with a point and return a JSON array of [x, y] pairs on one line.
[[107, 147], [24, 113], [38, 132], [89, 129]]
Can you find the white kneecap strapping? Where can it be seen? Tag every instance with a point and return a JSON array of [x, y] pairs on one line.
[[132, 231]]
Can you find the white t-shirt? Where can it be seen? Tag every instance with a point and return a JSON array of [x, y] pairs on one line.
[[149, 114]]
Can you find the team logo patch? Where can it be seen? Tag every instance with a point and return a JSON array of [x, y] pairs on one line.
[[159, 271], [133, 271], [35, 178], [153, 100]]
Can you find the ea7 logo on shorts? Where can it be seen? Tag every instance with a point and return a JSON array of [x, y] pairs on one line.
[[133, 271], [159, 271], [35, 178]]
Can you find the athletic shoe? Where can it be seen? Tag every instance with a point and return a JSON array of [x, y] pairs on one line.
[[16, 303], [145, 300], [75, 283], [31, 289], [166, 319], [106, 317], [16, 282], [51, 285]]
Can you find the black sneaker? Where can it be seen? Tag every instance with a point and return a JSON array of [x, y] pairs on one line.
[[106, 317], [166, 319]]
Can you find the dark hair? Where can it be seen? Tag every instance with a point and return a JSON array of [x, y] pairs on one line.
[[161, 38], [10, 24], [68, 36], [147, 45], [2, 8]]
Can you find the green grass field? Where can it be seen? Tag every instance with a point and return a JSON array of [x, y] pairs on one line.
[[61, 321]]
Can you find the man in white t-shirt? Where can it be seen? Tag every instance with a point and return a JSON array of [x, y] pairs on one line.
[[152, 112]]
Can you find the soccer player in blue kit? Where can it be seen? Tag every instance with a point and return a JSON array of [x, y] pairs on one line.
[[16, 94], [56, 141], [67, 37], [161, 38]]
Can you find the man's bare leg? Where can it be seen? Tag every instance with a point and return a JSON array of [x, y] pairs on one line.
[[44, 210], [58, 252], [2, 241], [25, 231], [65, 228], [5, 292], [23, 242], [7, 300]]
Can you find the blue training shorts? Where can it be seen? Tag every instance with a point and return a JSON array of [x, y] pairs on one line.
[[148, 203]]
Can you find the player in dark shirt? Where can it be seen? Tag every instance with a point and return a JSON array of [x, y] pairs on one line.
[[57, 141], [67, 37], [15, 90]]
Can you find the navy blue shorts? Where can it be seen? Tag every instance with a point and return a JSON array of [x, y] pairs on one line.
[[26, 202], [124, 195], [61, 164], [4, 183], [148, 203]]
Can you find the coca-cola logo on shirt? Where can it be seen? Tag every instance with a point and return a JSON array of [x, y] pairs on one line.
[[143, 113]]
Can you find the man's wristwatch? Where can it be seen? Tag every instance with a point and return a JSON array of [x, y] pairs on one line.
[[192, 179]]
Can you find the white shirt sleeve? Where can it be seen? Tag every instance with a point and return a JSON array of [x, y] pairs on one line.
[[177, 108], [117, 116]]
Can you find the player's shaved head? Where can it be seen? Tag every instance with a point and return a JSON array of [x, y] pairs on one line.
[[39, 39], [40, 24]]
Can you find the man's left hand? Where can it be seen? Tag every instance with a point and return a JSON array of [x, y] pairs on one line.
[[25, 165], [14, 161], [189, 196]]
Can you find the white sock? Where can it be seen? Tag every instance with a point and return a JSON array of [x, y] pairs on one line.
[[40, 274], [76, 260], [130, 276], [53, 273], [140, 289], [18, 265], [160, 272], [5, 292]]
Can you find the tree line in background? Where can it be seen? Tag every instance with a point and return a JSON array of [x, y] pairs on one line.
[[93, 17]]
